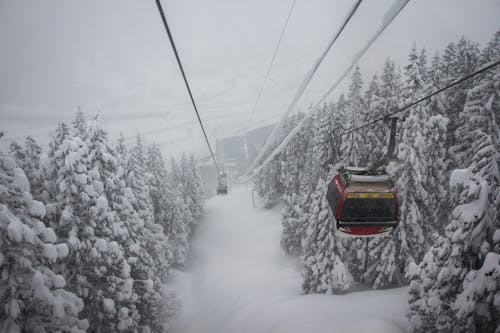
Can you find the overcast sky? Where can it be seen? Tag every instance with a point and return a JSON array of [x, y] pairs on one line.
[[114, 56]]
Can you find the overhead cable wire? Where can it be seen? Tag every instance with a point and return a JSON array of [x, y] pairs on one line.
[[272, 137], [406, 107], [391, 14], [270, 64], [169, 33]]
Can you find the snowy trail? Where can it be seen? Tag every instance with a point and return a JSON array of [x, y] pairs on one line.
[[241, 282]]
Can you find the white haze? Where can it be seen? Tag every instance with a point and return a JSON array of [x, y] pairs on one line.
[[114, 56]]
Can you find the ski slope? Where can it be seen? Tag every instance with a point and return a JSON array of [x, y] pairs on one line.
[[239, 281]]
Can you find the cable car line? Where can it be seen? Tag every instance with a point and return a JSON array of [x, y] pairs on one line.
[[271, 64], [165, 24], [411, 104], [426, 97], [406, 107], [388, 18], [302, 88]]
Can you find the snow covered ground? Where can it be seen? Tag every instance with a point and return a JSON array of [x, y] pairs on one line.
[[239, 281]]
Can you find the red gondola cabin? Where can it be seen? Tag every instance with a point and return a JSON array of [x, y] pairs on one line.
[[362, 203]]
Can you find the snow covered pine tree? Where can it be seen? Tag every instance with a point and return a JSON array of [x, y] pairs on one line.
[[34, 298]]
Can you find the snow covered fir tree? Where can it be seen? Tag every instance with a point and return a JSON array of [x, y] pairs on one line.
[[90, 232], [446, 247]]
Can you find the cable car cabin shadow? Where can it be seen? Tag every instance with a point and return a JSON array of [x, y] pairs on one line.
[[362, 203]]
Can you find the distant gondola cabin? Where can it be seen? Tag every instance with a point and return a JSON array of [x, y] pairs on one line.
[[222, 187]]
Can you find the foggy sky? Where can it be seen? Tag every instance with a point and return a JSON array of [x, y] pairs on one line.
[[114, 56]]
